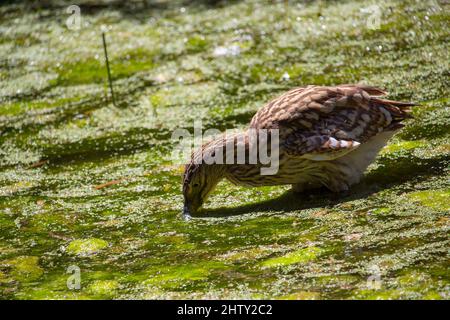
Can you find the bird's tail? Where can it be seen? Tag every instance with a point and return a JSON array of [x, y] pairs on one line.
[[398, 110]]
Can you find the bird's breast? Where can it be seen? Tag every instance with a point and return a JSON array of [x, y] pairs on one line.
[[289, 171]]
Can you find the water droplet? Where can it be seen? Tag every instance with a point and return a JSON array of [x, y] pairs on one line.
[[285, 76]]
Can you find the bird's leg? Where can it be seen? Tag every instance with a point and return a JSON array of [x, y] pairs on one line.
[[337, 185], [339, 189]]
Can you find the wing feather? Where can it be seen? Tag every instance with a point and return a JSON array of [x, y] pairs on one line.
[[314, 120]]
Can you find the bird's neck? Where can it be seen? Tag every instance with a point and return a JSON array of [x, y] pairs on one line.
[[218, 156], [244, 151], [224, 150]]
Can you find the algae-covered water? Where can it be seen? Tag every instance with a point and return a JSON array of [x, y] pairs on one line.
[[90, 201]]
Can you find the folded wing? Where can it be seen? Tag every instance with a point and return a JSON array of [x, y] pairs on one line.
[[325, 123]]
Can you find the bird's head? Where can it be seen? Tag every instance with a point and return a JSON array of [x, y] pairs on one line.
[[199, 180]]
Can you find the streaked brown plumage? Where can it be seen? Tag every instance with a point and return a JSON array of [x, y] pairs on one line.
[[328, 136]]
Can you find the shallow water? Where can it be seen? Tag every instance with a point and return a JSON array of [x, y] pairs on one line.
[[89, 185]]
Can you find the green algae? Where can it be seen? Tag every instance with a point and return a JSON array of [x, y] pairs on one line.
[[103, 288], [196, 44], [19, 107], [93, 70], [181, 276], [436, 199], [380, 211], [403, 146], [301, 295], [61, 139], [86, 246], [300, 256], [25, 268], [379, 295], [409, 285]]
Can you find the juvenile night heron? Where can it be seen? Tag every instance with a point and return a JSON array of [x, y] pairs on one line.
[[327, 137]]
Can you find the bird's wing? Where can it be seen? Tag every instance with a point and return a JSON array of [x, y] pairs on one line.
[[324, 123]]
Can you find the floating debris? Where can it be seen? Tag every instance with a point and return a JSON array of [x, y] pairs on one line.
[[233, 50]]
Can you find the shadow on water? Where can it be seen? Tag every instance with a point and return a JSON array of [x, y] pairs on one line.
[[287, 202], [388, 174]]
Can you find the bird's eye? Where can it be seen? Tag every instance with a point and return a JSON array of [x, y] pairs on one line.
[[195, 185]]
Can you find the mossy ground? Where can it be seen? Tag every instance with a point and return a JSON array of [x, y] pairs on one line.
[[60, 138]]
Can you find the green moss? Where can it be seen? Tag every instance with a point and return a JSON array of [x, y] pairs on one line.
[[25, 268], [436, 199], [54, 288], [177, 274], [4, 278], [339, 281], [84, 247], [11, 108], [293, 71], [156, 99], [403, 146], [380, 211], [189, 275], [17, 108], [184, 273], [103, 288], [196, 44], [93, 70], [246, 255], [300, 256], [379, 294], [301, 295], [433, 295]]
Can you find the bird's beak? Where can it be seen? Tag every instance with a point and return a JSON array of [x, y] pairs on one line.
[[190, 208], [187, 209]]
